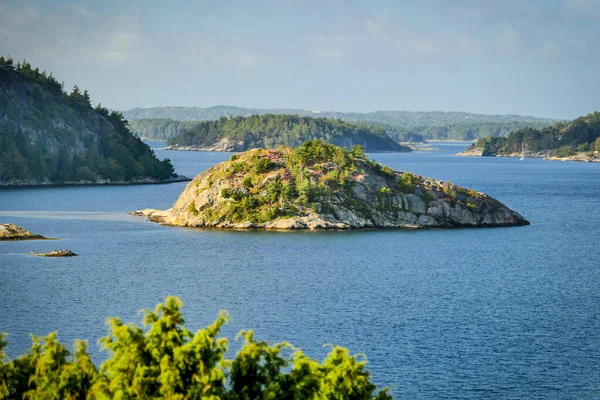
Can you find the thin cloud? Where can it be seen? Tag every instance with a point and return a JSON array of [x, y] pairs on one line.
[[550, 50], [247, 59], [583, 8], [82, 11], [330, 47], [121, 46], [508, 38]]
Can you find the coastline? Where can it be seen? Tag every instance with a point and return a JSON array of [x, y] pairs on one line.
[[144, 181], [579, 157], [449, 141], [218, 150]]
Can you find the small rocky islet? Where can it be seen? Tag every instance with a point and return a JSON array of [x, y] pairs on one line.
[[56, 253], [322, 186], [15, 232]]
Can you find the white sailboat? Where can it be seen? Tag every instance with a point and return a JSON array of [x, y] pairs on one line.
[[522, 152]]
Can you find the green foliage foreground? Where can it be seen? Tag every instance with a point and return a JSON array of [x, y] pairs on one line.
[[168, 361]]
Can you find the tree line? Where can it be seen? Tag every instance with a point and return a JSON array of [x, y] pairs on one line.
[[561, 139], [166, 128], [272, 130], [167, 361]]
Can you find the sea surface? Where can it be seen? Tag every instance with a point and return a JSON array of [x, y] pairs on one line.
[[455, 314]]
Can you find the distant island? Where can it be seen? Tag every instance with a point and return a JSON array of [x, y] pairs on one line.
[[577, 140], [162, 123], [271, 130], [49, 137], [322, 186]]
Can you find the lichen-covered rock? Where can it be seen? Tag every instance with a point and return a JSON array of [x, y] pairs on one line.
[[14, 232], [321, 186]]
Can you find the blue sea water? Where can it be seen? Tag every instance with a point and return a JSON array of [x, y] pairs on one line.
[[467, 313]]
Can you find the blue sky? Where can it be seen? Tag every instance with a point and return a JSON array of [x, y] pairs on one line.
[[523, 57]]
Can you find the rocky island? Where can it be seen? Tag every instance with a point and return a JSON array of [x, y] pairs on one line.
[[14, 232], [270, 131], [322, 186]]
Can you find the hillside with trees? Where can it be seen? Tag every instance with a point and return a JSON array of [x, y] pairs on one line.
[[403, 126], [159, 128], [270, 131], [48, 136], [561, 140], [165, 128], [393, 118]]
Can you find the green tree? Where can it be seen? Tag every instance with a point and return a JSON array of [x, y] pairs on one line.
[[167, 361]]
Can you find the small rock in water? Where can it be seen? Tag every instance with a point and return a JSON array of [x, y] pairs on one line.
[[57, 253]]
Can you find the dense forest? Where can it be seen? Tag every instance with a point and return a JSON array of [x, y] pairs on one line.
[[50, 136], [269, 131], [562, 139], [165, 128], [163, 123], [167, 361], [463, 131], [159, 128]]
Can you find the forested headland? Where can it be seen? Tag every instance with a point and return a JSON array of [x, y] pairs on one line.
[[49, 136], [561, 140], [271, 130]]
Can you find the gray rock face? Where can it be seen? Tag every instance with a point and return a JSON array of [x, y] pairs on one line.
[[372, 200]]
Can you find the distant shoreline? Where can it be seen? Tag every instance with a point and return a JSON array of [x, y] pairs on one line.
[[175, 147], [449, 141], [8, 186]]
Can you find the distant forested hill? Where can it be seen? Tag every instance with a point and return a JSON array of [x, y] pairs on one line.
[[408, 125], [462, 131], [49, 136], [159, 128], [163, 129], [269, 131], [563, 139]]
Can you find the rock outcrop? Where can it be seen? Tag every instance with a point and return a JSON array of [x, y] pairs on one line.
[[472, 152], [56, 253], [14, 232], [320, 186]]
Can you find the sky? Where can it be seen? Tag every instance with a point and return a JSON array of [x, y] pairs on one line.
[[529, 57]]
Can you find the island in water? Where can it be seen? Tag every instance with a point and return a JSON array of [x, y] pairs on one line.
[[577, 140], [323, 186], [49, 137], [270, 131], [14, 232], [56, 253]]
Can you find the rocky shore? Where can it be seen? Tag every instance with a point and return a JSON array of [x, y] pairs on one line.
[[323, 194], [56, 253], [581, 157], [472, 152], [22, 183], [14, 232]]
